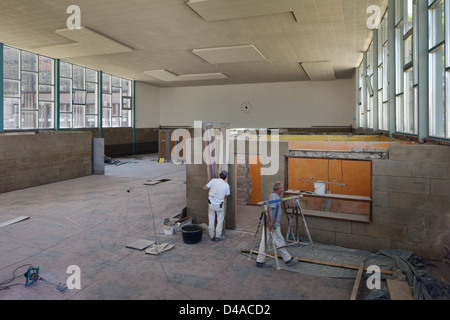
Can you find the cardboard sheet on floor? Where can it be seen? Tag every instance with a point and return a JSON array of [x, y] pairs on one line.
[[140, 244], [157, 249]]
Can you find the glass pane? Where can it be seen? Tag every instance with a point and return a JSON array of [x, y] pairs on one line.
[[437, 98], [408, 48], [116, 82], [65, 95], [79, 97], [91, 75], [46, 115], [409, 112], [126, 118], [78, 77], [408, 20], [106, 83], [11, 63], [29, 119], [116, 122], [29, 90], [91, 99], [11, 113], [45, 70], [437, 25], [106, 119], [399, 61], [65, 120], [126, 103], [126, 88], [11, 88], [399, 113], [91, 121], [65, 70], [78, 116], [29, 61], [116, 104], [46, 93]]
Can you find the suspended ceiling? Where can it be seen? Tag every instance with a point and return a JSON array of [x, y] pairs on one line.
[[170, 43]]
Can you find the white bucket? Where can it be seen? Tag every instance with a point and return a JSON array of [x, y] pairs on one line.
[[319, 188]]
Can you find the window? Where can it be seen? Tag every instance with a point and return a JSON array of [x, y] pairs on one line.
[[406, 104], [369, 88], [78, 97], [383, 81], [29, 90], [117, 102], [437, 70], [360, 97]]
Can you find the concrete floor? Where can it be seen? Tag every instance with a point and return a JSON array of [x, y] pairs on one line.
[[88, 221]]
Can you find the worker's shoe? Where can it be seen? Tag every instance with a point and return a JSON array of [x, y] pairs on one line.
[[212, 238], [291, 262], [261, 264], [220, 238]]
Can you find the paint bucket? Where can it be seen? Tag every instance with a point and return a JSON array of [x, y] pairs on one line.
[[192, 233], [319, 188]]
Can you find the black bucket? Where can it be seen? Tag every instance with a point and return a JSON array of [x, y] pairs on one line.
[[192, 233]]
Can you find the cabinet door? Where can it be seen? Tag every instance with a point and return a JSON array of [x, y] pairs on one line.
[[356, 175], [301, 169]]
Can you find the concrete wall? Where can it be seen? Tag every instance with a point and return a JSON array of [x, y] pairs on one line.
[[274, 105], [147, 106], [29, 159], [410, 206]]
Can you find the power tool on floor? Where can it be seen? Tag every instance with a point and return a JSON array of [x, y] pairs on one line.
[[32, 276]]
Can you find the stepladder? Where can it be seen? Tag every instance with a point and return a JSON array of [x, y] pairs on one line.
[[268, 245], [292, 235]]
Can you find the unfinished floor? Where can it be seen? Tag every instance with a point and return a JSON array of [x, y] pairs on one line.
[[89, 221]]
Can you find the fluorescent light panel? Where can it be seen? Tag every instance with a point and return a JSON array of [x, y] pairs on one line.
[[319, 70], [232, 54], [168, 76]]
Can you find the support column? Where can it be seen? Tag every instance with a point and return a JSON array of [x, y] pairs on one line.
[[423, 117], [392, 78], [100, 104], [57, 95], [364, 95], [1, 90], [133, 114]]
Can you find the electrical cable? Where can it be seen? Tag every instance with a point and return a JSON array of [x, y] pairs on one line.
[[3, 285]]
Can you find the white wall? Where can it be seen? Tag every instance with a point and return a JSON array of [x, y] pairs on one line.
[[288, 104], [147, 106]]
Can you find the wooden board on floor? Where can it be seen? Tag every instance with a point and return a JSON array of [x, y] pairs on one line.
[[18, 219], [358, 281], [399, 290]]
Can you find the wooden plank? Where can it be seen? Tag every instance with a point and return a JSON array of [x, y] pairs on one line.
[[357, 285], [18, 219], [399, 290], [326, 263]]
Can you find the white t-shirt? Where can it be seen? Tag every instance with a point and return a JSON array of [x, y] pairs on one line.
[[218, 190]]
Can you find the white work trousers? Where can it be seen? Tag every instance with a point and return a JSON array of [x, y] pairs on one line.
[[215, 231], [279, 242]]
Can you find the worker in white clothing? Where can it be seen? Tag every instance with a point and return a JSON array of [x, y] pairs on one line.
[[273, 225], [219, 190]]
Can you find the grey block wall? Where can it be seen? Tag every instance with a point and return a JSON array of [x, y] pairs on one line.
[[410, 206], [29, 159]]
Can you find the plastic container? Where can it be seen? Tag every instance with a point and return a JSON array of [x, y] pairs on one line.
[[319, 188], [192, 234]]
